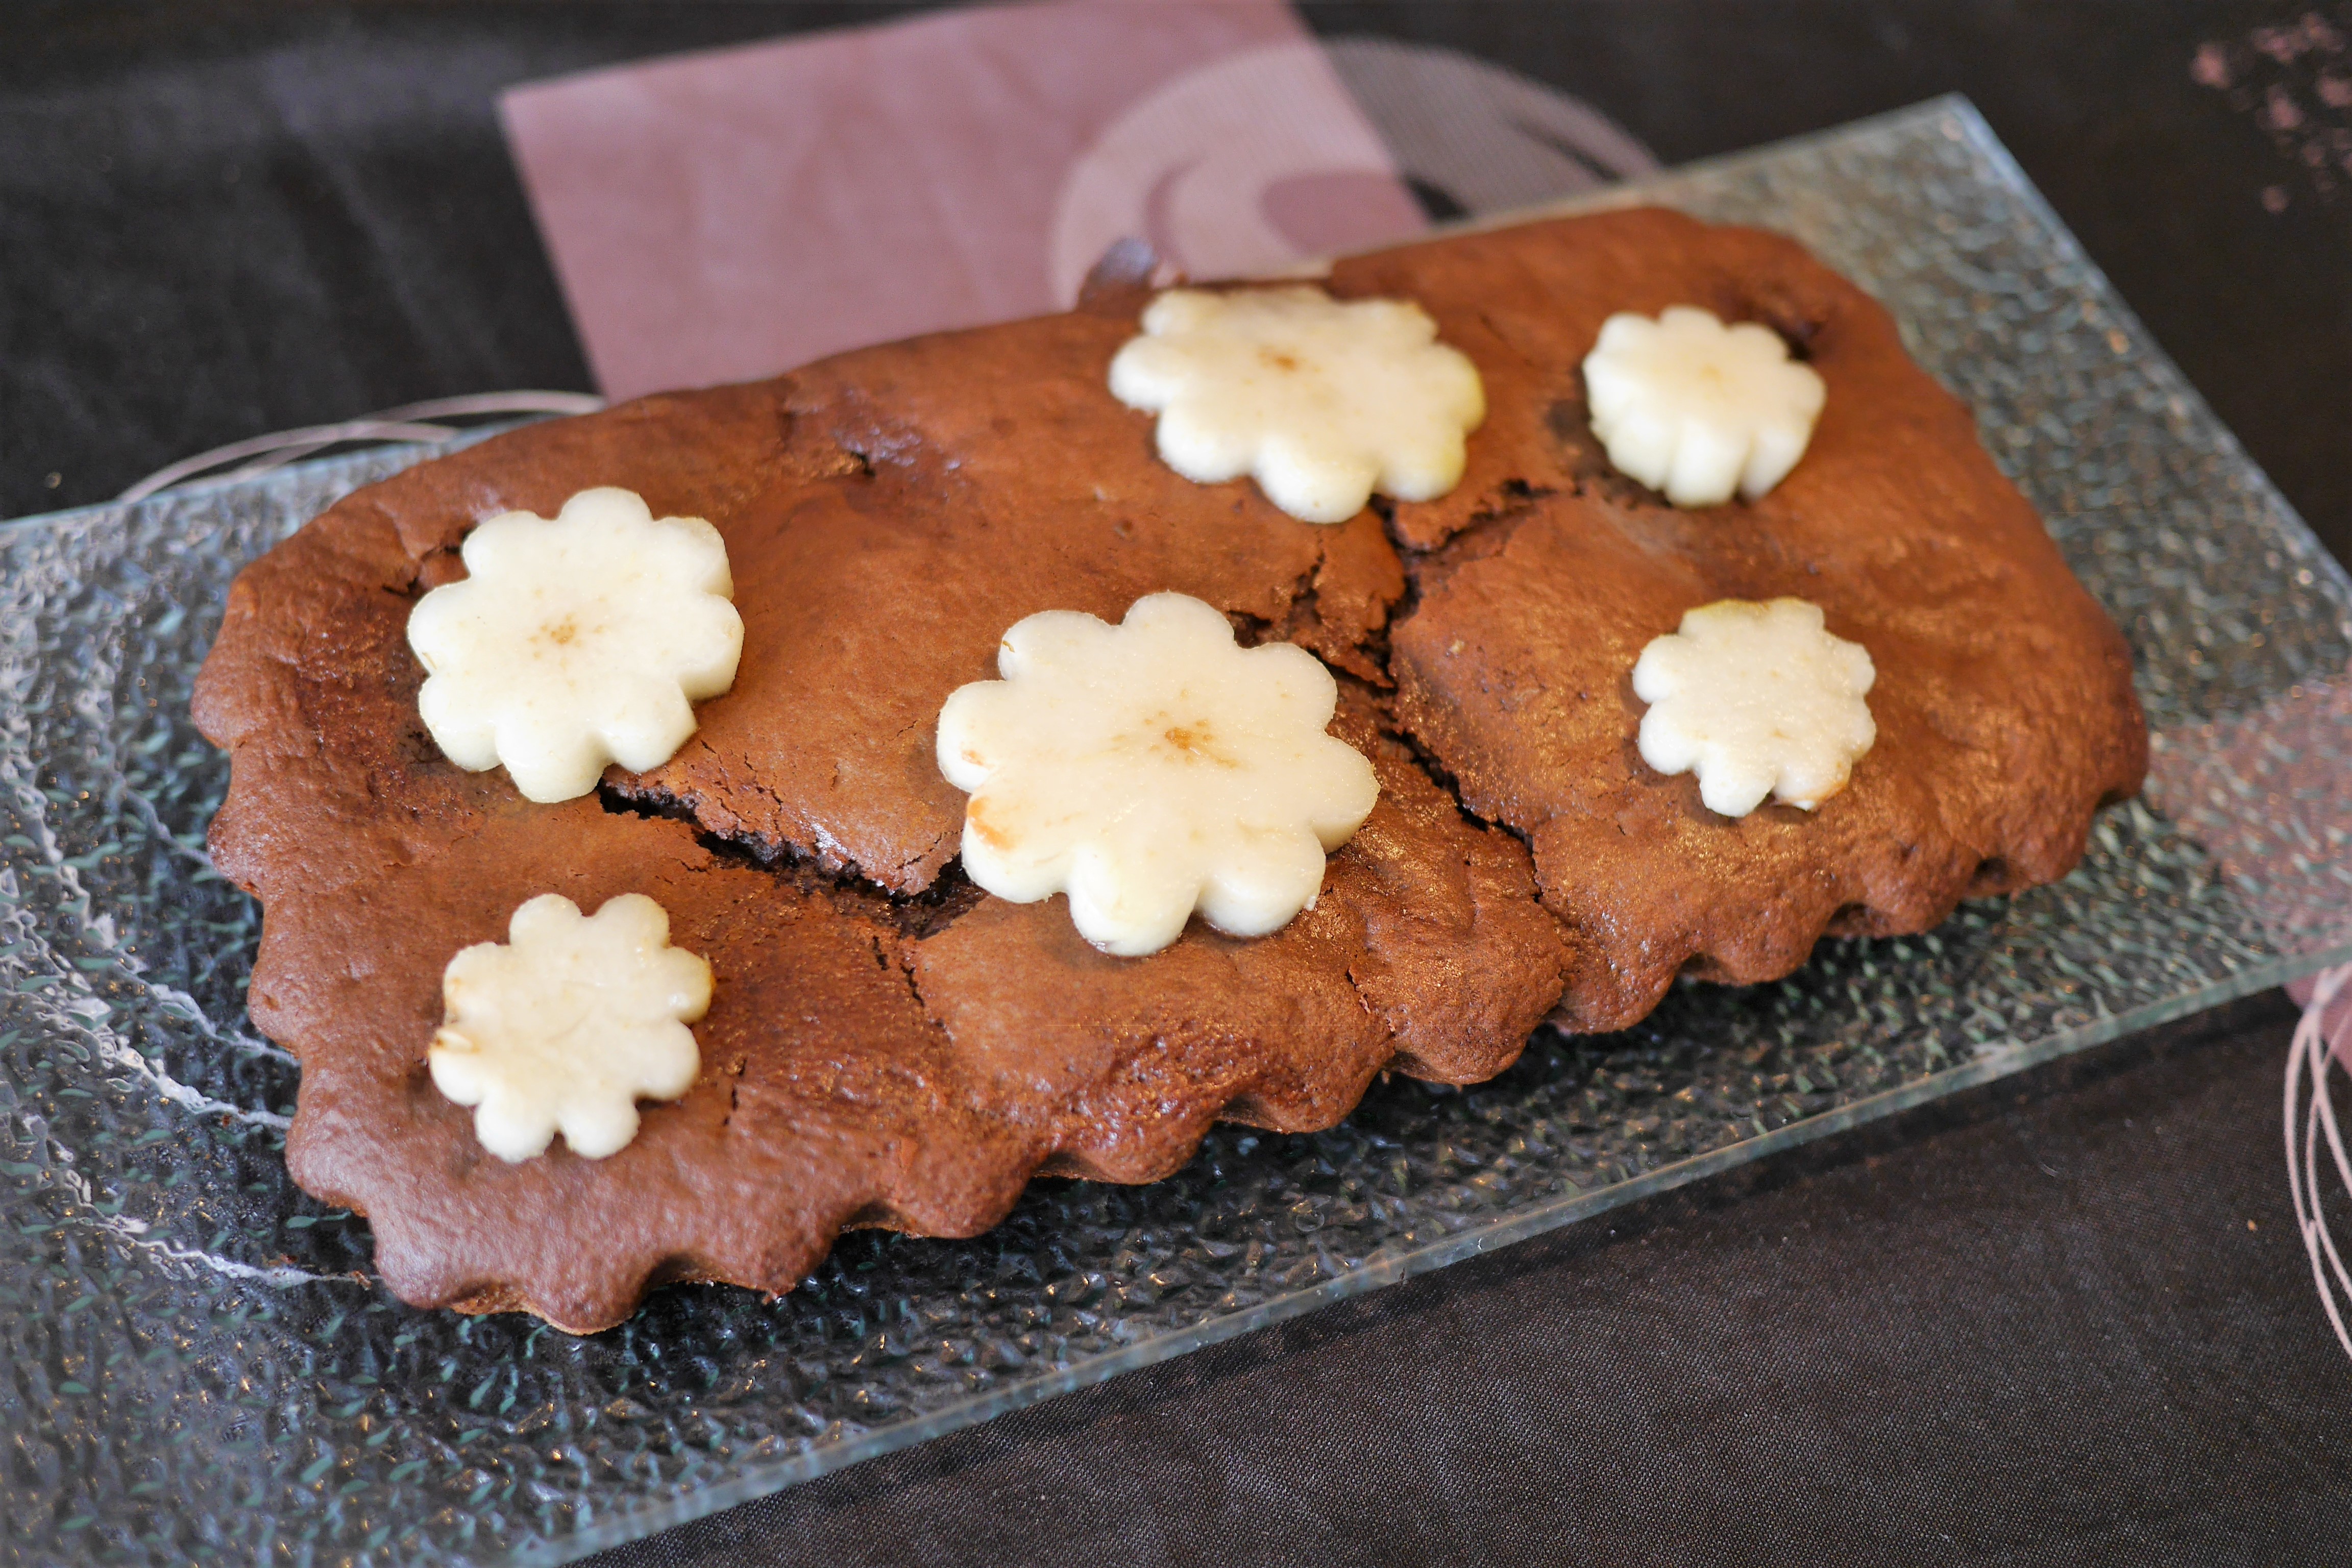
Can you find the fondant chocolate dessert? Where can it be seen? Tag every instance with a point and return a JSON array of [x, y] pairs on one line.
[[886, 1041]]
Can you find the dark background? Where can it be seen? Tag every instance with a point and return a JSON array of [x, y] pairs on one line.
[[2067, 1321]]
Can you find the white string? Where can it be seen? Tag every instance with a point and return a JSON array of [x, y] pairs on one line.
[[2307, 1061], [410, 421]]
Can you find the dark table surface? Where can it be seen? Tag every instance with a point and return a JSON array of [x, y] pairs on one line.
[[2066, 1320]]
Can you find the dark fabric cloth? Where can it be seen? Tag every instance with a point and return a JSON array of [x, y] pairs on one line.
[[2038, 1326]]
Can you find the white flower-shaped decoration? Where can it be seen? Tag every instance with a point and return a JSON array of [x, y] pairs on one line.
[[578, 642], [568, 1027], [1322, 401], [1759, 699], [1697, 409], [1149, 769]]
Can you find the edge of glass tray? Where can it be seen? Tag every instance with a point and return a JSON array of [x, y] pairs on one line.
[[764, 1482]]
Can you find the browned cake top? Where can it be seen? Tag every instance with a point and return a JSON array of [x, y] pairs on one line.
[[887, 1047]]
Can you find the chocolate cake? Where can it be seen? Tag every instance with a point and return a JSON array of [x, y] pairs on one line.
[[889, 1047]]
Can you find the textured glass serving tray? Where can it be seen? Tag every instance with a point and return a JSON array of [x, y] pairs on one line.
[[197, 1366]]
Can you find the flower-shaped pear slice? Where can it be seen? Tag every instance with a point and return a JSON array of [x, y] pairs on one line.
[[1323, 401], [1699, 410], [577, 642], [1151, 769], [566, 1027], [1758, 700]]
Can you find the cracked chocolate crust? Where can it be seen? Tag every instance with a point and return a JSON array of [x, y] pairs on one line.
[[887, 1047]]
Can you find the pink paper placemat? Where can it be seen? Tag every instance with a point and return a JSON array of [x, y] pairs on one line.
[[727, 216]]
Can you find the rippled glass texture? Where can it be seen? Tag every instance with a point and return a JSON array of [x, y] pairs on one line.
[[199, 1368]]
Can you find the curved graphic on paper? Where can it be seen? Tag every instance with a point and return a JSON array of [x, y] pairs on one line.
[[1244, 166], [1293, 150]]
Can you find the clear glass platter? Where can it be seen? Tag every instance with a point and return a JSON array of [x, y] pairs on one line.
[[198, 1366]]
